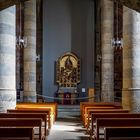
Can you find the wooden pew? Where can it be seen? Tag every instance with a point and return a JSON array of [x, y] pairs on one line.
[[51, 105], [85, 105], [105, 110], [122, 133], [87, 111], [16, 132], [33, 110], [22, 122], [43, 116], [110, 115], [82, 104], [114, 122], [98, 104]]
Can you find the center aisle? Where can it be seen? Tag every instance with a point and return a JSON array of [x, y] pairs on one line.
[[67, 129]]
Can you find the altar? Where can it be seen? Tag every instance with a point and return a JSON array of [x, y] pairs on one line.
[[67, 77], [67, 98]]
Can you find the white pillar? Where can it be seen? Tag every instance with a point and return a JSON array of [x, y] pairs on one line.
[[7, 59]]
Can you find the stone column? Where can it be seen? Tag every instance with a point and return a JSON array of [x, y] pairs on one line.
[[30, 52], [7, 59], [127, 59], [131, 64], [107, 17], [135, 61]]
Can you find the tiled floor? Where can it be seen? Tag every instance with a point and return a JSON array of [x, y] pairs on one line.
[[68, 129]]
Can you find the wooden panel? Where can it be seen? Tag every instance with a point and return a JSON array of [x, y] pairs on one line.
[[91, 94]]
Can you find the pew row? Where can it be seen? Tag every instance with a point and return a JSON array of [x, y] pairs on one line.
[[99, 104], [51, 105], [17, 132], [29, 110], [114, 122], [92, 111], [43, 116], [109, 115], [122, 133], [22, 122], [87, 109], [84, 106]]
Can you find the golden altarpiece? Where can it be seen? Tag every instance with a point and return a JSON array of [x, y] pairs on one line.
[[68, 77]]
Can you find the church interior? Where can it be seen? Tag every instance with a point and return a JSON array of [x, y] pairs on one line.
[[69, 69]]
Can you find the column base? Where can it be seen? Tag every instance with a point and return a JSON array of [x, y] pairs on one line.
[[7, 99], [29, 97]]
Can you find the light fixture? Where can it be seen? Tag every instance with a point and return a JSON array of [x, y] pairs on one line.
[[99, 57], [21, 42], [38, 57], [117, 42]]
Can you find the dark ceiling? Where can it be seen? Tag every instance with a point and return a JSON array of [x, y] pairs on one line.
[[133, 4], [7, 3]]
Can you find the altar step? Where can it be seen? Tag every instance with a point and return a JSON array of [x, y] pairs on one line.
[[68, 111]]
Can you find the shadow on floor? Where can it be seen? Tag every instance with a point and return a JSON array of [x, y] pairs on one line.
[[78, 130], [81, 138], [68, 129]]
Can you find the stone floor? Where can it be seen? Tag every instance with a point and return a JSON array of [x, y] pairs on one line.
[[67, 129]]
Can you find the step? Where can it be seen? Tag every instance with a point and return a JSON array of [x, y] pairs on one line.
[[68, 111]]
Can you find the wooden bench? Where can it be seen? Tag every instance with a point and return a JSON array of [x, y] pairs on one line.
[[110, 115], [86, 110], [22, 122], [82, 104], [114, 122], [33, 110], [92, 111], [122, 133], [96, 105], [85, 113], [43, 116], [17, 132], [48, 105]]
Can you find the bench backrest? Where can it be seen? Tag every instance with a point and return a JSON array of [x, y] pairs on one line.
[[115, 122], [97, 105], [111, 115], [43, 116], [87, 109], [17, 132], [100, 104], [51, 105], [22, 122], [122, 132], [114, 115], [92, 111], [46, 111]]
